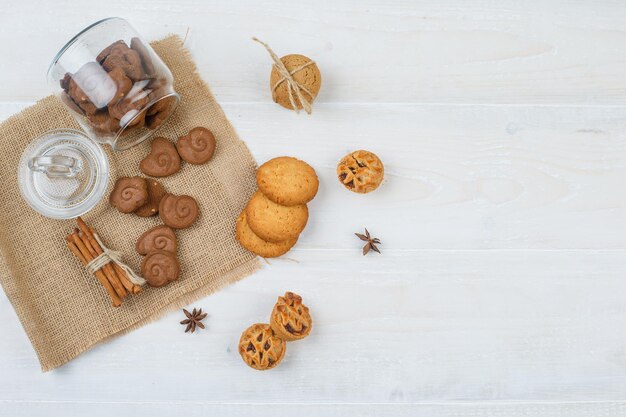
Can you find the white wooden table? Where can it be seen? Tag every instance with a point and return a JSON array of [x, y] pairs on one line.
[[501, 290]]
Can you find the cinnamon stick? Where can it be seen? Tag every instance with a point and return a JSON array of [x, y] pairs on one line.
[[71, 244], [119, 290], [114, 279], [108, 270], [94, 247], [121, 274]]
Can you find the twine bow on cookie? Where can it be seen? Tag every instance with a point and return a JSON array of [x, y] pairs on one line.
[[108, 256], [293, 87]]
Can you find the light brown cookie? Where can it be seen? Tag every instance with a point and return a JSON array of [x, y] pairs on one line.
[[260, 348], [160, 268], [258, 246], [273, 222], [178, 211], [163, 159], [290, 319], [287, 181], [360, 171], [155, 193], [308, 76], [158, 238], [197, 146], [129, 193]]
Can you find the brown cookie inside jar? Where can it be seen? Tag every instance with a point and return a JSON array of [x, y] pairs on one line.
[[144, 54], [109, 68], [130, 106], [160, 111], [103, 123], [121, 56]]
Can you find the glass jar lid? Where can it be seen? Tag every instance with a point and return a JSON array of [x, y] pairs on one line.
[[63, 174]]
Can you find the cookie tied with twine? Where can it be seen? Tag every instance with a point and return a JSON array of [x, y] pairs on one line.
[[295, 80]]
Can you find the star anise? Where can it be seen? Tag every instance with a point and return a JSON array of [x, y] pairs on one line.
[[371, 242], [193, 320]]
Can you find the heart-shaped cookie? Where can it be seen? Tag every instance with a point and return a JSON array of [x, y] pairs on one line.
[[178, 211], [197, 147], [158, 238], [163, 159]]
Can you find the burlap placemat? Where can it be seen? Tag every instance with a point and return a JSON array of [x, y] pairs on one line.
[[64, 310]]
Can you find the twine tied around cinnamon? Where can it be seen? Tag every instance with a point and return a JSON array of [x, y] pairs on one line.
[[117, 278], [108, 256], [293, 87]]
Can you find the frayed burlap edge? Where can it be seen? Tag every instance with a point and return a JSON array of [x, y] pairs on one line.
[[237, 273], [232, 276]]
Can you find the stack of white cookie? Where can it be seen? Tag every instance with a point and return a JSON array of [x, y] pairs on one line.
[[277, 213]]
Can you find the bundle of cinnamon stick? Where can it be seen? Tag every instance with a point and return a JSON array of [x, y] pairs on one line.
[[113, 278]]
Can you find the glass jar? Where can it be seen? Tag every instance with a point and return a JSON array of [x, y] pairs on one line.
[[63, 174], [114, 84]]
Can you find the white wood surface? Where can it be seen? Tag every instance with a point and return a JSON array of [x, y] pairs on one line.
[[501, 290]]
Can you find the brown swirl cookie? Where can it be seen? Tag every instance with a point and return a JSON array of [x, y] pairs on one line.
[[360, 171], [155, 193], [160, 268], [260, 348], [290, 318], [178, 211], [197, 147], [129, 193], [163, 159], [155, 239]]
